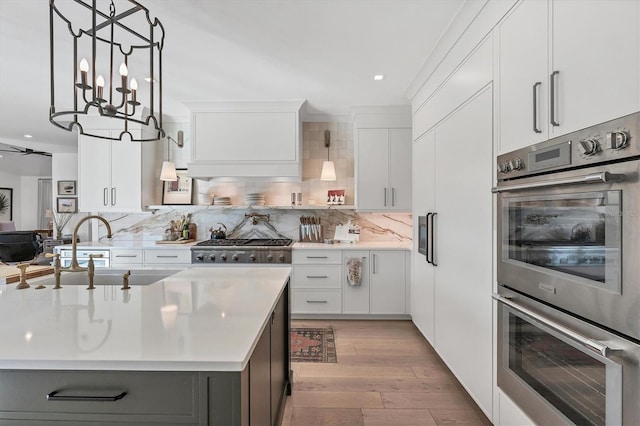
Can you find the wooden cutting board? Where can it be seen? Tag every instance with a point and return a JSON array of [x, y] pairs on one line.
[[174, 241], [10, 274]]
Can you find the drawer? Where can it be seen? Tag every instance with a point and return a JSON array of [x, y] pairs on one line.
[[158, 396], [316, 276], [320, 257], [309, 301], [126, 257], [159, 257]]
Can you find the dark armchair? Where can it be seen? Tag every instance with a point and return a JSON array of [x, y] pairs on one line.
[[18, 246]]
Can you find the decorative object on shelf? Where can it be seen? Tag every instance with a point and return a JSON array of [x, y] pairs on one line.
[[67, 205], [66, 187], [108, 37], [221, 201], [328, 168], [254, 199], [178, 192], [335, 197], [6, 204], [168, 173], [60, 220]]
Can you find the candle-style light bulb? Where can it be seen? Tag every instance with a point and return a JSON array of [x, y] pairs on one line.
[[124, 71], [84, 65], [134, 84], [100, 87], [84, 69], [134, 89]]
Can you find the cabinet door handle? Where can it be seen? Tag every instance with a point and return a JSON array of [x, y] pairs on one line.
[[53, 396], [126, 255], [393, 196], [536, 94], [552, 83], [433, 231], [173, 256], [427, 242], [316, 301], [373, 262], [316, 257], [105, 196], [385, 197], [317, 276], [113, 196]]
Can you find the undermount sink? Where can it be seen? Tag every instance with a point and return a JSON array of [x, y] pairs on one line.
[[113, 277]]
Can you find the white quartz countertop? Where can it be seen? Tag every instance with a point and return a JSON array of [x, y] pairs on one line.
[[126, 244], [360, 245], [200, 319]]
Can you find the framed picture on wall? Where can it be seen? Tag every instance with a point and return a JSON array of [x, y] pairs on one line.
[[178, 192], [67, 205], [66, 187], [6, 204]]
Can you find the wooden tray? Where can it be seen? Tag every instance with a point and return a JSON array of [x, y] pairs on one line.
[[174, 241], [11, 274]]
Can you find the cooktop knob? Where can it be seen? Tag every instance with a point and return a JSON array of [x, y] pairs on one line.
[[269, 258], [252, 257], [504, 167], [515, 164], [618, 140], [212, 257], [281, 258], [590, 147], [235, 257], [200, 257], [223, 256]]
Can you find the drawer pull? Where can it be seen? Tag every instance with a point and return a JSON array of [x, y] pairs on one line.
[[166, 255], [317, 276], [53, 396], [317, 257], [316, 301], [126, 255]]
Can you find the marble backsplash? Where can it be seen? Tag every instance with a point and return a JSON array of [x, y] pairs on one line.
[[282, 223]]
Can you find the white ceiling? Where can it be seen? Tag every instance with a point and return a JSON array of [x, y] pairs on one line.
[[324, 51]]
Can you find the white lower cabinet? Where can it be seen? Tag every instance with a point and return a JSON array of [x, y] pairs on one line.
[[150, 257], [126, 258], [320, 282]]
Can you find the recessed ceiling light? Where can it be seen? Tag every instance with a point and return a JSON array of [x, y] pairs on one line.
[[378, 77], [28, 136], [1, 155]]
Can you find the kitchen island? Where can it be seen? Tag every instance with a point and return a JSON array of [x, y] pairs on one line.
[[202, 346]]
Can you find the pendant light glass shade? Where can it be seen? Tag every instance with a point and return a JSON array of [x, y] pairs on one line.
[[168, 172], [328, 171]]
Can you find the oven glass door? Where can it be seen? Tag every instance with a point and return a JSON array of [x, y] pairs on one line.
[[574, 382], [574, 233]]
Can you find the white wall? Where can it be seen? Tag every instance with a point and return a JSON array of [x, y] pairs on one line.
[[64, 166], [28, 202]]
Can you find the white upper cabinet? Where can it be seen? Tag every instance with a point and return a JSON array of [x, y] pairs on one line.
[[566, 65], [246, 139], [115, 175]]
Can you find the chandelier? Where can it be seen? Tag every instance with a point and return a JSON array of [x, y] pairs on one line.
[[89, 43]]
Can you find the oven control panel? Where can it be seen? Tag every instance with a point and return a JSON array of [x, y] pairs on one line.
[[241, 256], [613, 140]]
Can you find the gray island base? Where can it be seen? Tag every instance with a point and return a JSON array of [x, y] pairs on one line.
[[254, 394]]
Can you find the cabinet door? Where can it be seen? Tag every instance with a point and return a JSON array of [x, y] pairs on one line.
[[400, 169], [373, 169], [279, 355], [126, 176], [388, 282], [94, 173], [422, 280], [596, 50], [463, 246], [260, 380], [523, 95], [355, 298]]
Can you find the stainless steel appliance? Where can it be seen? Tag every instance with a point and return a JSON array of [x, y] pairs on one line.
[[567, 268], [242, 251]]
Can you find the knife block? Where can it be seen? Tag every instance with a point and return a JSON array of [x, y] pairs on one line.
[[310, 233]]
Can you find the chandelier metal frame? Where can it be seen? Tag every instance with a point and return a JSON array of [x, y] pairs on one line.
[[88, 96]]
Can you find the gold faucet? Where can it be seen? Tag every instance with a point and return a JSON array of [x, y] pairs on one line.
[[75, 267]]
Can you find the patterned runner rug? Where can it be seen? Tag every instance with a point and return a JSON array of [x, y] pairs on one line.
[[313, 345]]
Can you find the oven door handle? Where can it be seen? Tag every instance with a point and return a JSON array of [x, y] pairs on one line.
[[590, 344], [602, 177]]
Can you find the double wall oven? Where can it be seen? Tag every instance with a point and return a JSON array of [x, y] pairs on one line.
[[568, 269]]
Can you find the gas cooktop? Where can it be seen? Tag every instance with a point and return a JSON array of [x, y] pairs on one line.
[[244, 242]]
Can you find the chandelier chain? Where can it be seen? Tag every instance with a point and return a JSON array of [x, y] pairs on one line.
[[112, 9]]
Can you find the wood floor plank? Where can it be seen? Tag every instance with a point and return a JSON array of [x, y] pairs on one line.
[[424, 400], [390, 360], [336, 399], [327, 417], [459, 417], [397, 417], [337, 370], [372, 384]]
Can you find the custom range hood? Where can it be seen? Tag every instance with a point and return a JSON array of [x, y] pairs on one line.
[[258, 140]]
